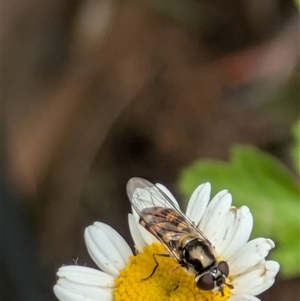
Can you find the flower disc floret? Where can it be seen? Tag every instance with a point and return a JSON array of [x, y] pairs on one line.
[[166, 284]]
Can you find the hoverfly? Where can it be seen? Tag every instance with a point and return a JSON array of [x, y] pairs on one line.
[[189, 247]]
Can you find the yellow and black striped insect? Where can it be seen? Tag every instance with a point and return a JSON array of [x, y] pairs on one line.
[[184, 242]]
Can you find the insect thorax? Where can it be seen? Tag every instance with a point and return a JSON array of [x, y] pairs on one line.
[[197, 256]]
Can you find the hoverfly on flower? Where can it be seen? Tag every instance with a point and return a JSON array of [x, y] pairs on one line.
[[184, 242]]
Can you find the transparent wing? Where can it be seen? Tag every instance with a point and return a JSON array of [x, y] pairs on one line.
[[148, 199], [143, 194]]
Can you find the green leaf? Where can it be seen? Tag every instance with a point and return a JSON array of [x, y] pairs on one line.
[[267, 187], [295, 151]]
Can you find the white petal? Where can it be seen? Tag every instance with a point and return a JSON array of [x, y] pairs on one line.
[[118, 241], [243, 297], [241, 231], [222, 234], [107, 248], [216, 209], [136, 235], [257, 279], [198, 203], [81, 283], [250, 255], [64, 294], [86, 275]]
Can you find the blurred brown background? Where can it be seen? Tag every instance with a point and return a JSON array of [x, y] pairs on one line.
[[95, 92]]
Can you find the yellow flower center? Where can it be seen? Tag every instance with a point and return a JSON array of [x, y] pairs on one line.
[[163, 285]]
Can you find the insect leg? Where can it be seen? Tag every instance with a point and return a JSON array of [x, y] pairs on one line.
[[174, 269], [156, 264], [171, 273]]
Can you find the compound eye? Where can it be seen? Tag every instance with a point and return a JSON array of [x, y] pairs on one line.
[[224, 268], [206, 282]]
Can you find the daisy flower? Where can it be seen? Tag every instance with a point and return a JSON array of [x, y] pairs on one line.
[[145, 276]]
